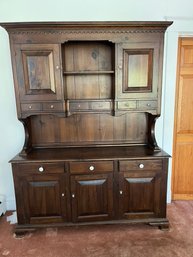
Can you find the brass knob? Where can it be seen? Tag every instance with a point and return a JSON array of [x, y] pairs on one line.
[[41, 169]]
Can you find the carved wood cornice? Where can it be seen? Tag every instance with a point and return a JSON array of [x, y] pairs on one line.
[[56, 32], [85, 27]]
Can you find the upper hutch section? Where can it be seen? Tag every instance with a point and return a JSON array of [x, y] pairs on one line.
[[66, 68]]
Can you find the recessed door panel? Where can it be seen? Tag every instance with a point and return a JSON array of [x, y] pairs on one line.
[[138, 70], [92, 197], [39, 72], [44, 198], [40, 78], [183, 130], [139, 194]]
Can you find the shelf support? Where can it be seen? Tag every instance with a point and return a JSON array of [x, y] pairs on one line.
[[27, 147], [152, 143]]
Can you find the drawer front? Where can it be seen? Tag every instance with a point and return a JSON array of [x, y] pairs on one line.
[[100, 105], [140, 165], [79, 106], [89, 106], [31, 107], [52, 107], [147, 105], [41, 168], [91, 167], [127, 105]]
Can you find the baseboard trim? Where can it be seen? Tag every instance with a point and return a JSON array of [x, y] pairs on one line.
[[182, 197], [10, 204]]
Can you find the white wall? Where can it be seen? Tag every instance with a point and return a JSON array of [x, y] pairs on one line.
[[11, 130]]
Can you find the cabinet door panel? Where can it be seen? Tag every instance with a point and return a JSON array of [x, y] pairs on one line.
[[44, 198], [138, 70], [92, 197], [138, 67], [140, 194], [39, 71]]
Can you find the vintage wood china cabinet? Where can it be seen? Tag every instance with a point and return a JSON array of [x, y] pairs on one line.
[[88, 95]]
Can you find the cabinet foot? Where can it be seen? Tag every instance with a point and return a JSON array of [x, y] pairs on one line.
[[161, 225], [20, 234]]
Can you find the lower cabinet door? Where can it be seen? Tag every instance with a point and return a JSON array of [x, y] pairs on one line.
[[142, 195], [44, 198], [92, 197]]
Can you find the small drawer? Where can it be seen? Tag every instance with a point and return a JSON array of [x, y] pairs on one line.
[[140, 165], [127, 105], [52, 107], [100, 105], [91, 167], [31, 107], [147, 105], [79, 106], [42, 168]]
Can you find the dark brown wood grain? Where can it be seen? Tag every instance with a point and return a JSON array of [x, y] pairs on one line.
[[88, 94], [92, 197], [38, 71], [89, 129], [41, 195], [140, 194], [91, 167]]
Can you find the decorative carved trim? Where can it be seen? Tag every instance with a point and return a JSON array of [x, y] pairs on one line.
[[152, 143], [56, 32], [27, 144]]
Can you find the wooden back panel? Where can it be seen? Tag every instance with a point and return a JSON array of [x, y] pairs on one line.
[[89, 129], [88, 69]]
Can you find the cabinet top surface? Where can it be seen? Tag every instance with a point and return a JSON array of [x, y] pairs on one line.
[[86, 24], [90, 153]]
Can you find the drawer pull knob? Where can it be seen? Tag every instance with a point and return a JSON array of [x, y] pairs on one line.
[[73, 195], [148, 104], [62, 194], [91, 168], [51, 106], [141, 165], [121, 192], [30, 107], [57, 67], [41, 169]]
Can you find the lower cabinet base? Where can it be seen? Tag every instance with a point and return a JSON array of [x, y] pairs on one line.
[[91, 189], [162, 224]]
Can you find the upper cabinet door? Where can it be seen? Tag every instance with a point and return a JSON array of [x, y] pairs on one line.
[[138, 70], [39, 73]]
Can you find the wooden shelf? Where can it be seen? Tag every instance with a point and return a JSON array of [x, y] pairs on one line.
[[91, 153], [87, 72]]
